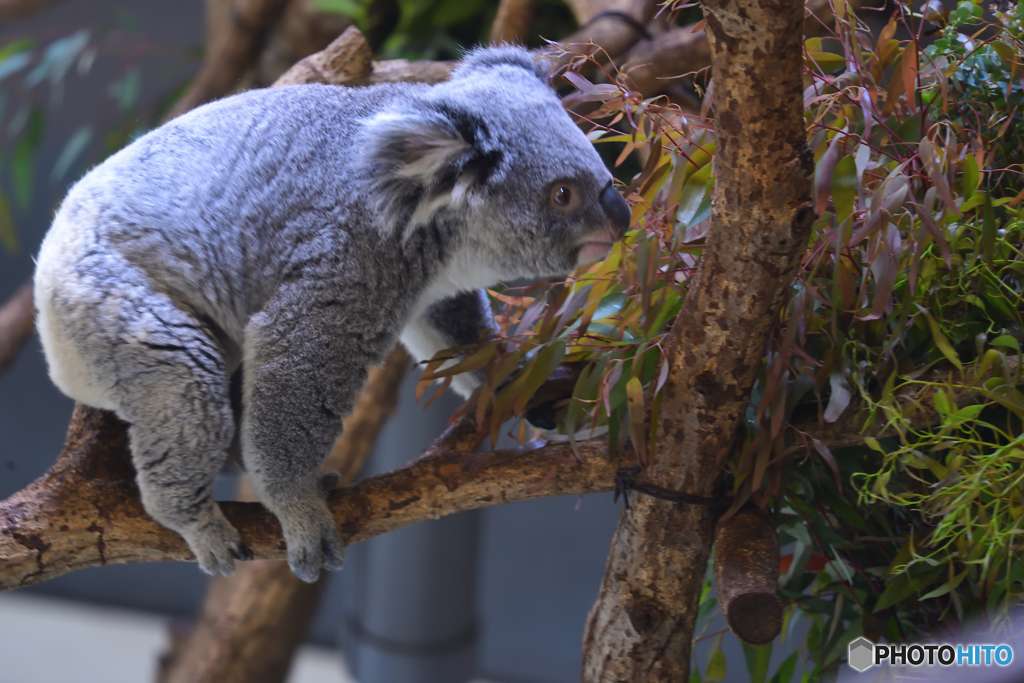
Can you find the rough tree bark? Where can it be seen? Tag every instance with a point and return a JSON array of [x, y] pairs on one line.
[[641, 627], [17, 320], [252, 623]]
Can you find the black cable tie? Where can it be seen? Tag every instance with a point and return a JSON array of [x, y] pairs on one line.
[[634, 23], [625, 481]]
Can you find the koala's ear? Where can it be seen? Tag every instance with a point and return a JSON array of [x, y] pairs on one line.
[[418, 158], [417, 146]]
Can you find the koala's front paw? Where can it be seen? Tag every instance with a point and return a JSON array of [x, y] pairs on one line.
[[313, 541], [216, 544]]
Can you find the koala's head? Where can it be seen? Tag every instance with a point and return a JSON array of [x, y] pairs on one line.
[[493, 153]]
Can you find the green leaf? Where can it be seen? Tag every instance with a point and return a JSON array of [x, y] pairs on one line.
[[786, 670], [940, 340], [545, 363], [716, 667], [453, 11], [758, 660], [1007, 341], [75, 145], [988, 231], [899, 588], [635, 405], [942, 403], [970, 175], [126, 91], [844, 187], [23, 172], [8, 237], [938, 592]]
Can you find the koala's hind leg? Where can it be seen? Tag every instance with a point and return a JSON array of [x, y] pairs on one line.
[[300, 378], [166, 377]]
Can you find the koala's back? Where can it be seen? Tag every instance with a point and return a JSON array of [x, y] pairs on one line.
[[212, 205]]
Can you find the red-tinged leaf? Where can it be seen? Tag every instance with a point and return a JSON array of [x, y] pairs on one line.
[[609, 384], [662, 376], [826, 454], [635, 405], [816, 563], [823, 174], [699, 26], [431, 368], [531, 315], [474, 361], [894, 193], [933, 162], [936, 12], [847, 285], [447, 382], [840, 398], [937, 232], [909, 69], [586, 86], [517, 301], [784, 563], [895, 88], [885, 268]]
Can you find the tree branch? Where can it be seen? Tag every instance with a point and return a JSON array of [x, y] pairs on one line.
[[13, 10], [512, 23], [17, 320], [230, 52], [85, 511]]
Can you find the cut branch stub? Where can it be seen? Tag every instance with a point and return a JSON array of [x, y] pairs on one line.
[[747, 576], [346, 61]]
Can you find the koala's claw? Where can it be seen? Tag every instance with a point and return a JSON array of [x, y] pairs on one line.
[[313, 542], [241, 552], [330, 481], [216, 546]]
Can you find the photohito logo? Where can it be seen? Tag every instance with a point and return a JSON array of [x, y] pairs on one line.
[[864, 654]]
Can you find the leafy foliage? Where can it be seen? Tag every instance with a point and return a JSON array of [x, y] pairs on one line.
[[33, 77], [905, 321]]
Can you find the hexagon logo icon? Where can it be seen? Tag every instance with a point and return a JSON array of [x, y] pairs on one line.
[[861, 654]]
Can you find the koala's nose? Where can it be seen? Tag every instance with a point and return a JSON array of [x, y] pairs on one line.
[[617, 210]]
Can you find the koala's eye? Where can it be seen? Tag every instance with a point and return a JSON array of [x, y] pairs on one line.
[[561, 196]]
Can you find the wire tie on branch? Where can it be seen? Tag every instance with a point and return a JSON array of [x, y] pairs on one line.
[[634, 23], [625, 481]]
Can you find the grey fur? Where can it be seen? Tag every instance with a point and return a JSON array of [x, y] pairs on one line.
[[301, 230]]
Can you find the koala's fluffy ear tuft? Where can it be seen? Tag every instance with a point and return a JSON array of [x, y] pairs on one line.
[[420, 157], [488, 57]]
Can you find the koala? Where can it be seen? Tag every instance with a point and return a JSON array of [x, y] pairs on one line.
[[295, 235]]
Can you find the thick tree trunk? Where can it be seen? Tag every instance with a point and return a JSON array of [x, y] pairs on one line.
[[641, 627]]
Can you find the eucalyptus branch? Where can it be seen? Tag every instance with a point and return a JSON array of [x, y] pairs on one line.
[[17, 320]]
